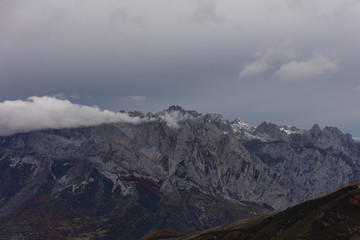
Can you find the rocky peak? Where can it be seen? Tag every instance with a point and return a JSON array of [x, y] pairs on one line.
[[266, 127], [136, 114], [291, 129], [315, 131], [333, 132], [219, 121], [270, 132], [239, 125], [182, 111], [265, 132], [175, 116], [175, 108]]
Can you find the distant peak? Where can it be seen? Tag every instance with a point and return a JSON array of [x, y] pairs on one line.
[[238, 125], [175, 108], [238, 120], [315, 130], [179, 110], [175, 116], [264, 127], [136, 114]]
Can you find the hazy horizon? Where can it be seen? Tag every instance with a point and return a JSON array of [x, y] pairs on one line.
[[56, 112]]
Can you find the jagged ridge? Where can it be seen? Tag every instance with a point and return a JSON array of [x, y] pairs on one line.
[[178, 169]]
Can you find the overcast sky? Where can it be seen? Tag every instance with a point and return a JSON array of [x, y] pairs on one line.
[[292, 62]]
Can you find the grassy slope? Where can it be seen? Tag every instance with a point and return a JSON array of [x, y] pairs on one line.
[[332, 216]]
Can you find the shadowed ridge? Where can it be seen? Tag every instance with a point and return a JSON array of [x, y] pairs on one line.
[[335, 215], [163, 234]]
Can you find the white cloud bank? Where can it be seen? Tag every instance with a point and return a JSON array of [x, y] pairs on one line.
[[46, 112], [314, 67]]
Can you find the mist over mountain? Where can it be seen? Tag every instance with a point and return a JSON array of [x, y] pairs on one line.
[[52, 113], [171, 169]]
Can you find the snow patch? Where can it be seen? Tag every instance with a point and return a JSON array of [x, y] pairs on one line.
[[239, 125], [290, 129]]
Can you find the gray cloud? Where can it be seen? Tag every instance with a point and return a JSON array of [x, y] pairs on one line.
[[120, 14], [278, 52], [206, 11], [29, 19], [267, 57], [325, 8], [292, 68], [137, 98], [254, 68], [315, 67], [179, 53], [51, 113]]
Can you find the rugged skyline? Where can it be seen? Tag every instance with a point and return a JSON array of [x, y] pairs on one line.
[[288, 62], [122, 180]]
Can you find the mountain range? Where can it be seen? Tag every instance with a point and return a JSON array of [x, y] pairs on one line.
[[173, 169]]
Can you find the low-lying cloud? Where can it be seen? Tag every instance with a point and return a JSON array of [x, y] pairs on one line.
[[175, 118], [47, 112], [315, 67]]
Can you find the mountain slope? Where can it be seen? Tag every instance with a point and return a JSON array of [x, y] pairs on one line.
[[332, 216]]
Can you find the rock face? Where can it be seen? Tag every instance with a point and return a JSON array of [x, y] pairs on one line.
[[176, 169], [317, 159]]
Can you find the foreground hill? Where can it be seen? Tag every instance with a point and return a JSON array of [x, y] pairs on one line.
[[332, 216], [174, 169]]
